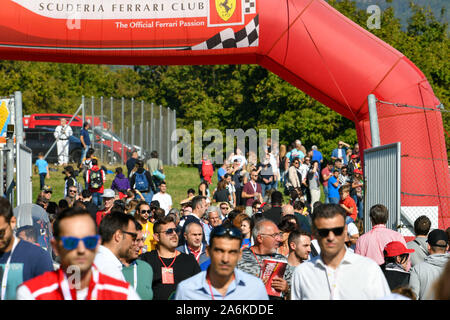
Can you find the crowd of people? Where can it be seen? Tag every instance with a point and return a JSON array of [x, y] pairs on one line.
[[261, 233]]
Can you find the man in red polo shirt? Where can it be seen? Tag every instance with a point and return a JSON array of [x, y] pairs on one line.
[[75, 242]]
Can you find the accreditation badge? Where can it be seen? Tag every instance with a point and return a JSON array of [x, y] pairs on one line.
[[167, 275]]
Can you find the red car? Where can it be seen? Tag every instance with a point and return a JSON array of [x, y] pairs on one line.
[[37, 120]]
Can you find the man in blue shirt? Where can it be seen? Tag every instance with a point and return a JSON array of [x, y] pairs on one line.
[[85, 139], [333, 188], [20, 260], [42, 167], [317, 156], [222, 280], [340, 152]]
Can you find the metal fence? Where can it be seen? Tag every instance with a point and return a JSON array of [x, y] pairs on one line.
[[121, 126]]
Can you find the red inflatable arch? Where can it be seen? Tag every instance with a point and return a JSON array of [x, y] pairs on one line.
[[305, 42]]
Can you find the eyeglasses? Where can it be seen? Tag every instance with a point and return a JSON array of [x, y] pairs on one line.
[[145, 211], [221, 231], [132, 234], [324, 232], [72, 191], [169, 231], [71, 243], [274, 235]]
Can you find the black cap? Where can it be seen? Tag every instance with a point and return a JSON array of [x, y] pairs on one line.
[[438, 238]]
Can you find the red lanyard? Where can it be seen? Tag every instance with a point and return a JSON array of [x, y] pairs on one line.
[[256, 257], [164, 263], [210, 287]]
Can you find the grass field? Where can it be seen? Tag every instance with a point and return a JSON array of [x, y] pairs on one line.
[[179, 180]]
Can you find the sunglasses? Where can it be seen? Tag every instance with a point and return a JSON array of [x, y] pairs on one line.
[[72, 191], [71, 243], [145, 211], [132, 234], [224, 208], [169, 231], [221, 231], [47, 191], [324, 232]]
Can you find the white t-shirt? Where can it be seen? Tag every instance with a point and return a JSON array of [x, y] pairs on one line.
[[165, 201]]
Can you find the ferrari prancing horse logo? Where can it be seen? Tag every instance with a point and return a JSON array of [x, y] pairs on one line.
[[225, 8]]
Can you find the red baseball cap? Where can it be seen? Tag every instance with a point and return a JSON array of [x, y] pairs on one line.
[[354, 156], [396, 248], [357, 171]]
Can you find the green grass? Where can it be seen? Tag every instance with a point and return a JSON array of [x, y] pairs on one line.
[[179, 180]]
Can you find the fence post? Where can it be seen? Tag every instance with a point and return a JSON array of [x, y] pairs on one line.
[[142, 126], [83, 112], [151, 128], [132, 123], [111, 128], [122, 130], [101, 126], [168, 136], [160, 134], [92, 112], [374, 129], [10, 169], [174, 143]]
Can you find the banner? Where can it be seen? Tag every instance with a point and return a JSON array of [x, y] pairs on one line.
[[130, 24]]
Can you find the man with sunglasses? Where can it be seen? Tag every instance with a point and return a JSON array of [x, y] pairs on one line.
[[222, 280], [19, 260], [170, 266], [137, 272], [76, 242], [142, 215], [118, 234], [337, 273], [267, 238], [47, 192]]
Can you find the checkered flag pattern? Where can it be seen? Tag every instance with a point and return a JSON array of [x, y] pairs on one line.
[[250, 6], [246, 37]]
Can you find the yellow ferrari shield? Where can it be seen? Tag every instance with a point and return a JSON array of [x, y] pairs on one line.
[[225, 8]]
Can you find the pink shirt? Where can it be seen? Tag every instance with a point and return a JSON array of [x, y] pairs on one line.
[[373, 242]]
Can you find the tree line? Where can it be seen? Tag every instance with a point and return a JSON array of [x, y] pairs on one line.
[[234, 96]]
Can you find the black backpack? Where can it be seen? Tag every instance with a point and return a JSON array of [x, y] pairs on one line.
[[95, 179]]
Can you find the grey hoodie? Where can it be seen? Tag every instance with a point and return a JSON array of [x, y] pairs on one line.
[[426, 273], [420, 246]]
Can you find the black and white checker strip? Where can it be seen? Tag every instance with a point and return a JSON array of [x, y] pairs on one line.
[[246, 37], [250, 6]]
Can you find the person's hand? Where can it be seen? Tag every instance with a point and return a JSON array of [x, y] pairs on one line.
[[280, 284]]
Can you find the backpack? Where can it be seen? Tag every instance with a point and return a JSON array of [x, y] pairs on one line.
[[95, 179], [140, 182], [207, 170]]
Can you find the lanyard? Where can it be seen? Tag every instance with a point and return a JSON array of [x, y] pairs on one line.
[[197, 257], [254, 186], [6, 271], [70, 294], [210, 286], [251, 249], [176, 255]]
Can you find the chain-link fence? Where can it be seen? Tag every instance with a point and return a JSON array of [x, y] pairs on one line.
[[121, 126], [425, 168]]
